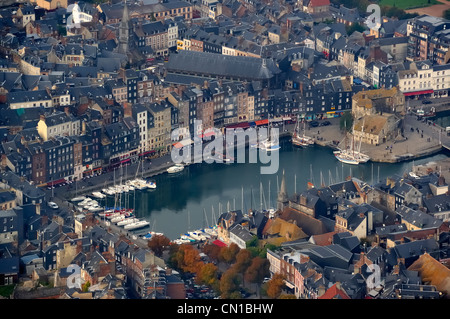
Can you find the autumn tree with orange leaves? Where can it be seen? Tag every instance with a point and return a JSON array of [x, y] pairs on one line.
[[208, 275], [158, 243], [229, 284], [275, 286], [186, 258], [228, 254]]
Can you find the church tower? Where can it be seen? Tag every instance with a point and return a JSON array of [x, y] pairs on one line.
[[124, 31], [282, 200]]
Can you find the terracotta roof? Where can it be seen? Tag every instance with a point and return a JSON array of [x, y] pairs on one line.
[[285, 231], [334, 293], [324, 239], [310, 225], [432, 271]]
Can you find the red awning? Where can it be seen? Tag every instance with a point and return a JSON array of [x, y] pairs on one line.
[[219, 243], [59, 181], [262, 122], [125, 161], [207, 133], [418, 92]]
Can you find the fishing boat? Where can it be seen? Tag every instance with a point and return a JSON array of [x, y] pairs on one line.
[[175, 169]]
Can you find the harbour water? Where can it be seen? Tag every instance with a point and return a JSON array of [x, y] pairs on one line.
[[195, 197]]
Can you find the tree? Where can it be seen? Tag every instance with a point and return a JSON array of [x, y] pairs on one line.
[[228, 254], [185, 258], [191, 260], [229, 283], [257, 271], [208, 275], [346, 121], [85, 286], [243, 261], [274, 286], [212, 251], [158, 243]]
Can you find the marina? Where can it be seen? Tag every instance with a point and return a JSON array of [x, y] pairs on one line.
[[217, 187]]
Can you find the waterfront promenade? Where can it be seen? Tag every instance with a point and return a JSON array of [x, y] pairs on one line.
[[420, 139]]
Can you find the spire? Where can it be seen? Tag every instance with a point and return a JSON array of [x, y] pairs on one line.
[[124, 31], [282, 195], [126, 15]]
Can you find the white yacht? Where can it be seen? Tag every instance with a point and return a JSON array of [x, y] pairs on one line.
[[136, 225], [175, 169]]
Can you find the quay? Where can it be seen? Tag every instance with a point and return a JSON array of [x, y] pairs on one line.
[[421, 139]]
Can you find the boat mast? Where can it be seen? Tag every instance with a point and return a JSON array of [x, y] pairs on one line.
[[242, 199], [260, 195]]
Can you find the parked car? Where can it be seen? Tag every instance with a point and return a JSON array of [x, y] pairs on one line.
[[426, 102], [52, 205], [325, 123], [314, 123]]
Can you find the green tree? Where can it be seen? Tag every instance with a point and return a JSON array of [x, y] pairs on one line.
[[346, 121]]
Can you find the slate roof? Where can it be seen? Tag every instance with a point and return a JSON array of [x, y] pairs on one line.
[[437, 204], [418, 218], [222, 65], [28, 96], [241, 232], [415, 248]]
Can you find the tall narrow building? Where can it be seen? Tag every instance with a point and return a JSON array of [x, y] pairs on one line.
[[283, 200], [124, 31]]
